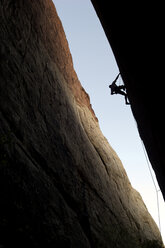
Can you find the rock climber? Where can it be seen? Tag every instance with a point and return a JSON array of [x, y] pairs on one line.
[[115, 89]]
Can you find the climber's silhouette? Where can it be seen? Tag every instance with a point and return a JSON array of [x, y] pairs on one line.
[[115, 89]]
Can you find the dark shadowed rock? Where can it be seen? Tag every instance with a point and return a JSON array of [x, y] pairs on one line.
[[137, 41], [61, 183]]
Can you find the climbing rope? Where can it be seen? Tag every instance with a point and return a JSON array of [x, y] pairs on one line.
[[156, 190], [152, 177], [148, 163]]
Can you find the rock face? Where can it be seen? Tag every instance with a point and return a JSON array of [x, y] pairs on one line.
[[61, 183], [138, 45]]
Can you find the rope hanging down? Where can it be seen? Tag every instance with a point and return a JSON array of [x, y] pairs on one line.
[[153, 180], [121, 89], [156, 190]]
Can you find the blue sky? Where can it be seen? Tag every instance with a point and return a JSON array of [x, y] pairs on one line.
[[96, 68]]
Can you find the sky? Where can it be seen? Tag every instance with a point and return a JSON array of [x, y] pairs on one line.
[[96, 68]]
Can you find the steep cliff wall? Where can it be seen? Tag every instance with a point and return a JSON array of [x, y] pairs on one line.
[[138, 43], [61, 183]]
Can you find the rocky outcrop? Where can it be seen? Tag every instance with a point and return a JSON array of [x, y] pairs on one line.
[[137, 42], [61, 183]]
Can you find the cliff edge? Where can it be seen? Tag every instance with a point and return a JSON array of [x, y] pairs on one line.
[[61, 183]]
